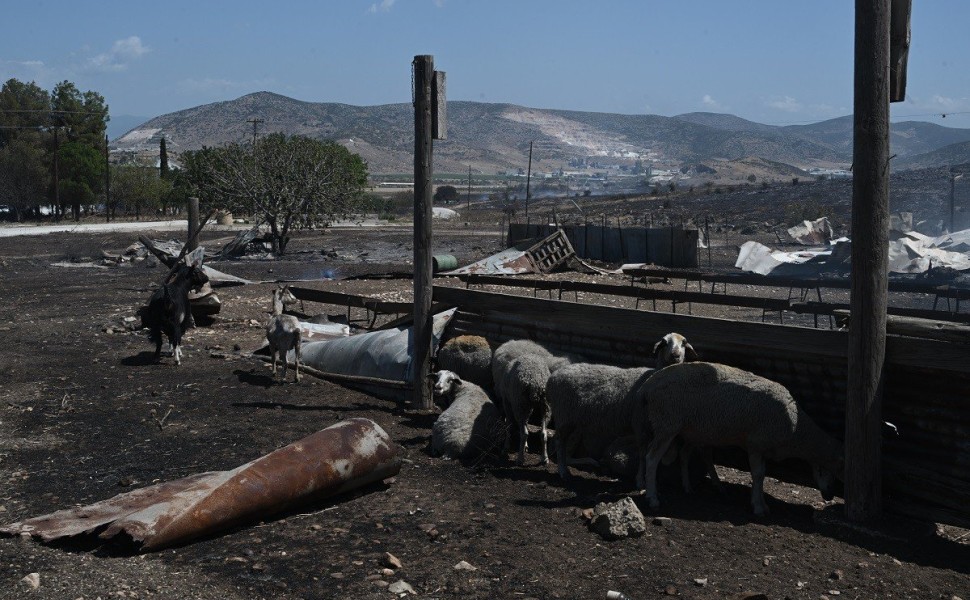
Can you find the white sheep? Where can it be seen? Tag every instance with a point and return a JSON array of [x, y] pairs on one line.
[[520, 371], [470, 356], [592, 405], [283, 331], [709, 405], [471, 426]]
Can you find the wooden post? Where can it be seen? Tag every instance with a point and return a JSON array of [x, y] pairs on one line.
[[108, 209], [528, 180], [423, 66], [870, 262], [193, 242]]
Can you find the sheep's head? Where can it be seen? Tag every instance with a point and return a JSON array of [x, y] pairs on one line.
[[673, 349], [445, 383]]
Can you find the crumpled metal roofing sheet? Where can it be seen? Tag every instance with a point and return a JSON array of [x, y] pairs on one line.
[[341, 457]]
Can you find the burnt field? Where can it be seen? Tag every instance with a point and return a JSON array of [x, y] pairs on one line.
[[80, 407]]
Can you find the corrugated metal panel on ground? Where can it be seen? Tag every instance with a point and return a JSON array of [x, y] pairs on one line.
[[927, 392]]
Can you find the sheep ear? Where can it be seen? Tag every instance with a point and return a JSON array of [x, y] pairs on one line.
[[432, 375], [658, 346], [690, 355]]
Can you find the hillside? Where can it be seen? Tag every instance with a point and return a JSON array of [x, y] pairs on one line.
[[954, 154], [495, 138]]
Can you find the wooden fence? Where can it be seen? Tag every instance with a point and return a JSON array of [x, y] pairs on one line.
[[667, 246], [927, 392]]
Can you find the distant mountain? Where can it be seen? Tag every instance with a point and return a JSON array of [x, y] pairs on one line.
[[727, 122], [906, 138], [493, 138], [121, 124], [954, 154]]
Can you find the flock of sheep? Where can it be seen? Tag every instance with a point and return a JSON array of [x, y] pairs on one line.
[[602, 412]]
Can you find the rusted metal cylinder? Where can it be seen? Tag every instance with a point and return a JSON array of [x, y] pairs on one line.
[[345, 456]]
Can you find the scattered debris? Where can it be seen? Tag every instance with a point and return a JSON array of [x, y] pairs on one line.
[[464, 566], [543, 256], [391, 561], [401, 588], [618, 520], [344, 456], [813, 233], [32, 580]]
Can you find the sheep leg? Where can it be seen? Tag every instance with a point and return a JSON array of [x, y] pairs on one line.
[[272, 353], [711, 469], [565, 440], [523, 425], [296, 352], [546, 415], [685, 453], [757, 464], [655, 453], [285, 362]]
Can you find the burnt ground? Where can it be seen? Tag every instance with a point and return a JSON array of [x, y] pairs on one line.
[[77, 395]]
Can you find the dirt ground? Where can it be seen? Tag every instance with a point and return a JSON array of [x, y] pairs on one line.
[[77, 396]]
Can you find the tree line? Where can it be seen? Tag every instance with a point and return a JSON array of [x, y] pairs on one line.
[[54, 152], [52, 148]]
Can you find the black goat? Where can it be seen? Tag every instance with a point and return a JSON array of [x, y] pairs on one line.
[[168, 309]]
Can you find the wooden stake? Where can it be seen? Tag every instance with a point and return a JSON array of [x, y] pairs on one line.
[[870, 262], [423, 66]]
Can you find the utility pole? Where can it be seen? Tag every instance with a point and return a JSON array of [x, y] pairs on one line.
[[528, 180], [468, 194], [107, 183], [57, 186], [255, 122], [953, 189]]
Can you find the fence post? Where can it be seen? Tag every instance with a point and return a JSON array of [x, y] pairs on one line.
[[423, 66], [870, 261]]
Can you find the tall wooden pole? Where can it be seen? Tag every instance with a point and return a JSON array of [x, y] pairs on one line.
[[423, 66], [528, 180], [870, 261], [108, 209], [468, 194]]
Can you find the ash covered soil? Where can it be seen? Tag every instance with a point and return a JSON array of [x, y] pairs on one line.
[[80, 408]]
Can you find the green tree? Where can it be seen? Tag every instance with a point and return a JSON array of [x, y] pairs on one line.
[[24, 176], [81, 174], [445, 194], [162, 159], [286, 182], [24, 110], [138, 189]]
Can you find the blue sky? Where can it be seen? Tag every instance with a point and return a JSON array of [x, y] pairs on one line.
[[777, 62]]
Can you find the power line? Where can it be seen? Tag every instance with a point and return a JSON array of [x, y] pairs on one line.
[[51, 112]]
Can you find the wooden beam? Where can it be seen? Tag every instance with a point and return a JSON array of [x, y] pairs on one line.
[[423, 66], [870, 262]]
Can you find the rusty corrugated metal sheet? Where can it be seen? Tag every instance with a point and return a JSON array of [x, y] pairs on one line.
[[342, 457]]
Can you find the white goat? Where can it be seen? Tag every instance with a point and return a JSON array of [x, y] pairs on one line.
[[283, 331]]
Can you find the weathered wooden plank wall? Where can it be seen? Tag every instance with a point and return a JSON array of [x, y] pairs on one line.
[[667, 246]]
